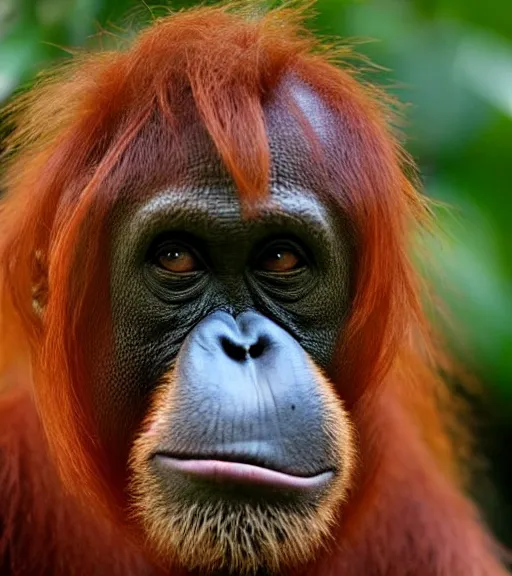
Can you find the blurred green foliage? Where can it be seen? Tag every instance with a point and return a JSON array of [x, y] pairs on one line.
[[451, 61]]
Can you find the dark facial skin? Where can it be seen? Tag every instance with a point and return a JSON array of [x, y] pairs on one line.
[[267, 409]]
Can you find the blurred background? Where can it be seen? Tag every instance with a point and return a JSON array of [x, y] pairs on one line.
[[451, 62]]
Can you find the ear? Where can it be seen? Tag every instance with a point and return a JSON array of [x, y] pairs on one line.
[[39, 283]]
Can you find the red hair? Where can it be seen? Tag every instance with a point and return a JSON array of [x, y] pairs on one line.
[[101, 122]]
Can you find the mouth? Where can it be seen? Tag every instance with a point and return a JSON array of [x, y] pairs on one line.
[[220, 471]]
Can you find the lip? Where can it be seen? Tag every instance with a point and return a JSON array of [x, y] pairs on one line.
[[222, 471]]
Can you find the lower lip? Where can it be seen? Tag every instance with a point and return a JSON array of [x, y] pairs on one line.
[[222, 471]]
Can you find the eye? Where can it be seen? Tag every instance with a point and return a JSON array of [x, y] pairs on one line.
[[177, 258], [279, 258]]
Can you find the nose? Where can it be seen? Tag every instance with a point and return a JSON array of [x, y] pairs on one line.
[[224, 343], [243, 338], [249, 336], [240, 351]]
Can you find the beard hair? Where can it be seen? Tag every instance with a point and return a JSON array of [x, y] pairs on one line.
[[234, 537]]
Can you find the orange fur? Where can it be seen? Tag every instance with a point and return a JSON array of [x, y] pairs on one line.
[[96, 125], [43, 529]]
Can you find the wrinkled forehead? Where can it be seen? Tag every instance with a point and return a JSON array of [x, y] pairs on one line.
[[300, 132], [295, 111]]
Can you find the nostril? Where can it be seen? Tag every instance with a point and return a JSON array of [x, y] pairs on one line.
[[241, 352], [256, 350], [234, 351]]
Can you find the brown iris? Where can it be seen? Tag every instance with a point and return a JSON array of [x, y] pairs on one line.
[[280, 260], [178, 259]]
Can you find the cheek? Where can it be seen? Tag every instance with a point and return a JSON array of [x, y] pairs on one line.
[[317, 320], [143, 343], [124, 376]]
